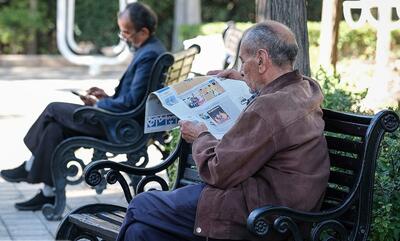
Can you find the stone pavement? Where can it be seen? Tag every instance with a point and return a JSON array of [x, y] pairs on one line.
[[24, 92]]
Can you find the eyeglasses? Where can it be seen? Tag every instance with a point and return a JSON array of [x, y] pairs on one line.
[[121, 35]]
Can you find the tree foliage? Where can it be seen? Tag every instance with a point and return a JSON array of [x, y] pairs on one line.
[[18, 24]]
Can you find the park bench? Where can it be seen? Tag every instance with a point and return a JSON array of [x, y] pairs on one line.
[[353, 142], [232, 37], [124, 133]]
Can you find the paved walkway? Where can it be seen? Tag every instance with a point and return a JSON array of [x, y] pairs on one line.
[[24, 92]]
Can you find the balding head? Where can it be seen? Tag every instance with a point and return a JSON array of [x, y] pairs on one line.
[[276, 38]]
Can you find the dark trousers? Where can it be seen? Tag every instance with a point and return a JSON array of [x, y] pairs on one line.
[[54, 125], [159, 216]]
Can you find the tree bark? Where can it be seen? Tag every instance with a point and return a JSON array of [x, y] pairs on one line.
[[330, 19], [294, 15], [32, 43], [186, 12]]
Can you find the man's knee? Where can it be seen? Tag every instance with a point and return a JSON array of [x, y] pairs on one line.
[[141, 201], [52, 106], [138, 231]]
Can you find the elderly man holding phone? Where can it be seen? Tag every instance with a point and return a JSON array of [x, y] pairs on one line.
[[137, 24]]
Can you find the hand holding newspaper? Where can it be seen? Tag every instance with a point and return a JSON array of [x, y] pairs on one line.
[[215, 101]]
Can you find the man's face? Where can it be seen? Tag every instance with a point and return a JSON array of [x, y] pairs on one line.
[[249, 69], [127, 31]]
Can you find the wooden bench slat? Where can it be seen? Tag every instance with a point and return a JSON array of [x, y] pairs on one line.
[[348, 128], [335, 194], [344, 162], [340, 144], [329, 204], [185, 182], [342, 179], [119, 213], [95, 225], [115, 219]]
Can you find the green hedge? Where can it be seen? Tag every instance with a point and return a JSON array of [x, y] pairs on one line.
[[356, 43]]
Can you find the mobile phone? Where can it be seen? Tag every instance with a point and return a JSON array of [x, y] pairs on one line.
[[76, 93]]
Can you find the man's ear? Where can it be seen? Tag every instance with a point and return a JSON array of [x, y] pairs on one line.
[[146, 32], [262, 60]]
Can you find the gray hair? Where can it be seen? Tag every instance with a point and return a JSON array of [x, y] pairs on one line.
[[142, 16], [281, 45]]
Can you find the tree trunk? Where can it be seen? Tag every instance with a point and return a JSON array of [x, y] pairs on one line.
[[293, 14], [330, 19], [32, 44], [186, 12]]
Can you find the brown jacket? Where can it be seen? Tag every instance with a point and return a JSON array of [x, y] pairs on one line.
[[275, 154]]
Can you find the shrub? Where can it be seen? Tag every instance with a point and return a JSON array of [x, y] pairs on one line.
[[386, 205], [359, 42], [169, 147], [337, 96]]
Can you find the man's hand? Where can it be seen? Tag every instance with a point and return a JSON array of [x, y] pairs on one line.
[[88, 100], [191, 130], [97, 92], [229, 74]]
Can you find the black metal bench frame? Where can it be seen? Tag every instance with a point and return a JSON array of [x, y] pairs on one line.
[[124, 132], [353, 142]]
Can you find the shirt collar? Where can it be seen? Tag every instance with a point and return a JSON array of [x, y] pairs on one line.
[[281, 81]]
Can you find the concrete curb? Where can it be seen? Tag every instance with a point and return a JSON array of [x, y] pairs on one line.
[[15, 60]]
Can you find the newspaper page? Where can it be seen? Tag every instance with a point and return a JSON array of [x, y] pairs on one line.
[[215, 101]]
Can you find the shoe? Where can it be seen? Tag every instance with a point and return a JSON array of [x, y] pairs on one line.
[[18, 174], [35, 203]]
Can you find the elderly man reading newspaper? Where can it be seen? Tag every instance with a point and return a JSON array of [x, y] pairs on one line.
[[275, 152]]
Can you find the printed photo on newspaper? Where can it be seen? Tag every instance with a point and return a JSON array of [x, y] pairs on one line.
[[215, 101]]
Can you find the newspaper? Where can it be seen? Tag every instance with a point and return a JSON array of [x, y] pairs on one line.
[[215, 101]]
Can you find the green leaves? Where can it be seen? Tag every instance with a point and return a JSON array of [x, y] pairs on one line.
[[337, 96], [17, 23], [386, 209]]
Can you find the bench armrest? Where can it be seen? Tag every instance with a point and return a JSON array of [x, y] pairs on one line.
[[93, 175], [118, 127], [285, 220]]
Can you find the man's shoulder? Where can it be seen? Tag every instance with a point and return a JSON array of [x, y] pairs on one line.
[[155, 45], [289, 103], [150, 51]]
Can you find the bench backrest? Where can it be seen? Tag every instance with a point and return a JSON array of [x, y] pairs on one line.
[[182, 65], [232, 37], [353, 143]]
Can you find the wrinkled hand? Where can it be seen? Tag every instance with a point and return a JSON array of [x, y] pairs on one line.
[[88, 100], [191, 130], [228, 73], [97, 92]]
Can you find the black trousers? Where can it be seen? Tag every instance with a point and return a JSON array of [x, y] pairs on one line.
[[54, 125]]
